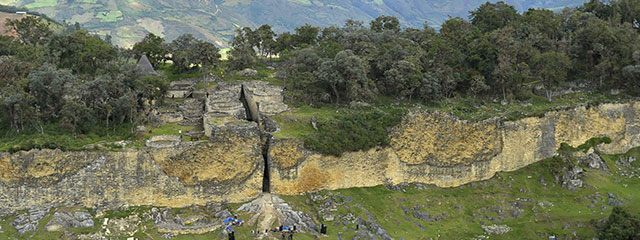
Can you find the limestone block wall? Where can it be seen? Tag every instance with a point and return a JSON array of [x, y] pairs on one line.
[[427, 147], [230, 169], [436, 148]]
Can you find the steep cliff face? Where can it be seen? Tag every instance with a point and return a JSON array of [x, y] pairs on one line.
[[436, 148], [176, 177]]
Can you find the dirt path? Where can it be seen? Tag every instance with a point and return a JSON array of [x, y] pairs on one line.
[[268, 212]]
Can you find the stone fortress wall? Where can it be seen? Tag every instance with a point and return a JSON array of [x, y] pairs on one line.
[[427, 147], [436, 148]]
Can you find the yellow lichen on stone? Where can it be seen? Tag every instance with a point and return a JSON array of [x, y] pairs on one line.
[[213, 162], [440, 139], [287, 153]]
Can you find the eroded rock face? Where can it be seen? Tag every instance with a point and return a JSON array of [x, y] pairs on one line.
[[436, 148]]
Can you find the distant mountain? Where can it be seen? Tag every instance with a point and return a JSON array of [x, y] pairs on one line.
[[129, 20]]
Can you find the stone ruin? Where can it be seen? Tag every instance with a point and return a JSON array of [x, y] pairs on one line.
[[181, 89], [224, 108]]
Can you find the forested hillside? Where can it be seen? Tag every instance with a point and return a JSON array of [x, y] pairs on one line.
[[216, 20]]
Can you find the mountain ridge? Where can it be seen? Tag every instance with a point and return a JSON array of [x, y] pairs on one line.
[[127, 21]]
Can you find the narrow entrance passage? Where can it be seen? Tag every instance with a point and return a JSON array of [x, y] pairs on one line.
[[266, 186]]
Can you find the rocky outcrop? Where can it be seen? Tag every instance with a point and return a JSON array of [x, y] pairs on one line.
[[436, 148]]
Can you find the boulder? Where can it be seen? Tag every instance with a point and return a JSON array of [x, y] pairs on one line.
[[496, 229], [248, 72], [62, 220]]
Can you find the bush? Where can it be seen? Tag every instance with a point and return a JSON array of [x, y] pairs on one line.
[[621, 225], [359, 130]]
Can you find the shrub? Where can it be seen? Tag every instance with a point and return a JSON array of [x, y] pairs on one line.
[[621, 225], [359, 130]]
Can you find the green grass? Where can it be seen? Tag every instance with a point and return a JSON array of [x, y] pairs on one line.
[[169, 129], [173, 74], [57, 137], [42, 3], [533, 106], [264, 74], [110, 16]]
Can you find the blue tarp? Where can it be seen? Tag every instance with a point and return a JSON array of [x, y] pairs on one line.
[[229, 220]]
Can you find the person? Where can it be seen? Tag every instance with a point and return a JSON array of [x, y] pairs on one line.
[[323, 229], [253, 233], [280, 228], [291, 236], [283, 237]]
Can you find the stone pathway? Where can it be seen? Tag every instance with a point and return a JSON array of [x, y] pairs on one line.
[[273, 211]]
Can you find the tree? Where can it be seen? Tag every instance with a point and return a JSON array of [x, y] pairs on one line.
[[205, 54], [346, 74], [242, 54], [306, 35], [631, 74], [153, 47], [48, 86], [284, 42], [477, 85], [492, 16], [266, 43], [181, 51], [73, 115], [385, 23], [17, 107], [82, 52], [30, 30], [621, 225], [551, 68]]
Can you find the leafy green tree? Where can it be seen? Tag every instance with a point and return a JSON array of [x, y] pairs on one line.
[[306, 35], [17, 107], [151, 88], [82, 52], [266, 43], [181, 51], [631, 74], [31, 30], [385, 23], [551, 68], [492, 16], [477, 85], [621, 225], [153, 47], [346, 74], [242, 54], [73, 115], [284, 42], [205, 54], [545, 29], [48, 86], [12, 71]]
